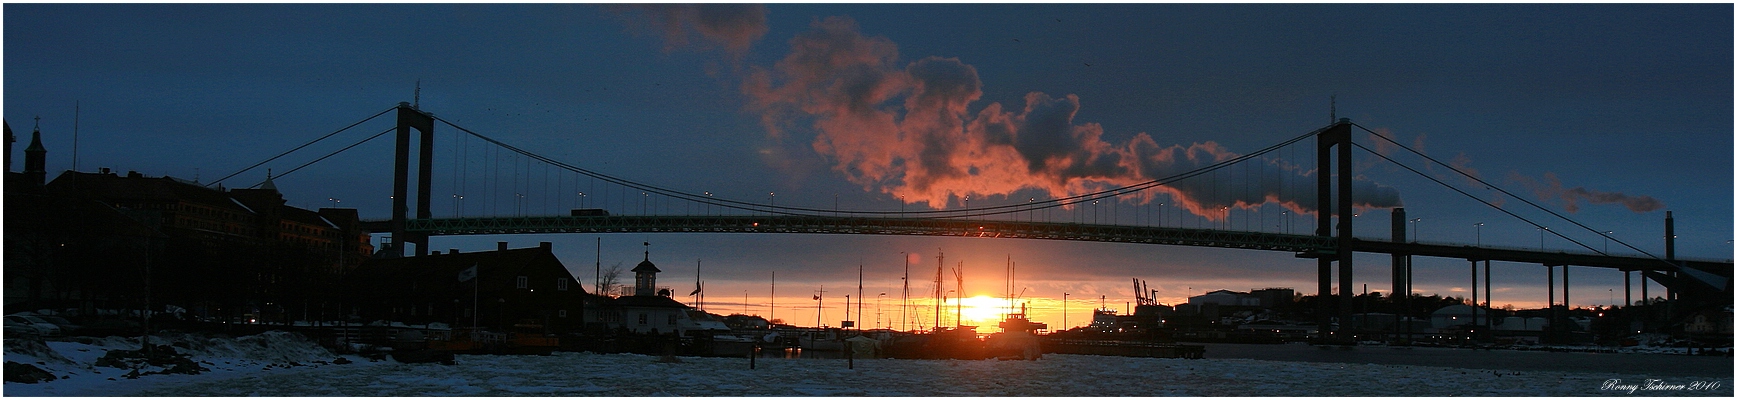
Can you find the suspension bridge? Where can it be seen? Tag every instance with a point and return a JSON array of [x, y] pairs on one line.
[[1329, 198]]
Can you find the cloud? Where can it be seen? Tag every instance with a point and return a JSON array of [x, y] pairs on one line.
[[908, 130], [734, 26], [1551, 188]]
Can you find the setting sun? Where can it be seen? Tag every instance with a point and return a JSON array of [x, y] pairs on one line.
[[980, 310]]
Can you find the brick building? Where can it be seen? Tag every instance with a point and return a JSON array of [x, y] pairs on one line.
[[494, 290]]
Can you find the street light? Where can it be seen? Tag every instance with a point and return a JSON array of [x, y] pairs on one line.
[[1480, 231], [1226, 217], [1607, 242], [335, 200], [1541, 231], [1414, 222], [878, 309]]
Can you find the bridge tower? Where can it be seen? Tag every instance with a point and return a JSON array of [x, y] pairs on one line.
[[411, 117], [1339, 134]]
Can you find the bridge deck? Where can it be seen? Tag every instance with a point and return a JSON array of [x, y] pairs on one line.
[[1302, 245]]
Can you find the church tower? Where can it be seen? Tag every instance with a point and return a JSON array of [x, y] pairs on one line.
[[36, 158]]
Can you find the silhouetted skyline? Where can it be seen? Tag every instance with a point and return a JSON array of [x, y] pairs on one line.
[[1590, 109]]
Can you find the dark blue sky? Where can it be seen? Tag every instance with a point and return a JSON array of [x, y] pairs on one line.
[[1620, 101]]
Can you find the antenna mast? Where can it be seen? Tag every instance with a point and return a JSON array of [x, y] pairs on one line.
[[1333, 109]]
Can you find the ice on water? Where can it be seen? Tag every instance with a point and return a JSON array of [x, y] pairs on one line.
[[240, 368]]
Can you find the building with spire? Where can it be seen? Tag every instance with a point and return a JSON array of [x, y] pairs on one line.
[[650, 310], [35, 158], [210, 250], [645, 277]]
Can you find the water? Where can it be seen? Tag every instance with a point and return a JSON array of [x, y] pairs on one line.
[[587, 374], [1663, 365]]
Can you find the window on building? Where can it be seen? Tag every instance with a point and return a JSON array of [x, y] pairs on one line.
[[562, 313], [524, 282], [672, 319], [642, 318], [560, 283]]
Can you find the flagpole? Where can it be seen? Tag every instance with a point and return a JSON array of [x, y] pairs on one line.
[[774, 305]]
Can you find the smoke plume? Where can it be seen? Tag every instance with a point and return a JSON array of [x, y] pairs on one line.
[[734, 26], [1551, 188], [907, 129]]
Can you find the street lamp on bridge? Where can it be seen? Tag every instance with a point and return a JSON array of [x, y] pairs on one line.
[[1480, 231], [1414, 222], [1541, 230]]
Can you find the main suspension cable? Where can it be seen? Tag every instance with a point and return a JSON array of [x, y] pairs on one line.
[[328, 155], [1503, 191], [256, 165], [969, 212]]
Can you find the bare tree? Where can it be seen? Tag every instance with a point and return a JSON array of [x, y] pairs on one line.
[[610, 280]]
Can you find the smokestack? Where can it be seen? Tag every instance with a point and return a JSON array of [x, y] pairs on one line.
[[500, 246], [1399, 269], [545, 245], [1670, 237]]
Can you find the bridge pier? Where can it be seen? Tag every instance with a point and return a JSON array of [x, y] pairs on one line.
[[1339, 134], [1474, 297], [410, 117]]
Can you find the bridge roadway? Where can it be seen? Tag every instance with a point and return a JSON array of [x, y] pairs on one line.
[[1306, 246]]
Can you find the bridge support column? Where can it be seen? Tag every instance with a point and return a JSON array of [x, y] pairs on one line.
[[1627, 289], [1565, 304], [1474, 297], [1489, 323], [1550, 303], [1324, 296], [409, 117], [1339, 134]]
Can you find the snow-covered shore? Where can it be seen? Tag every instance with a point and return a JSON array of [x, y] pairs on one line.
[[255, 366], [74, 362]]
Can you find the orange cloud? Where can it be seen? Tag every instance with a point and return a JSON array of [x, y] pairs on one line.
[[907, 130]]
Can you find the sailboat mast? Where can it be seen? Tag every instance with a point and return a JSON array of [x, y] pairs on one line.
[[859, 295], [940, 262], [905, 298], [959, 301]]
